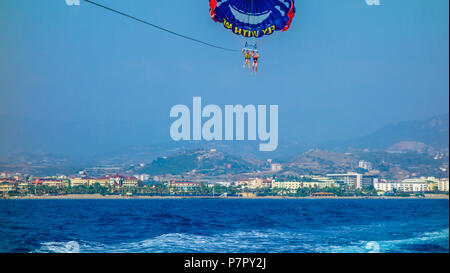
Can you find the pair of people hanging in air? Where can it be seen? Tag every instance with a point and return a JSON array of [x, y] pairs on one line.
[[248, 55], [253, 20]]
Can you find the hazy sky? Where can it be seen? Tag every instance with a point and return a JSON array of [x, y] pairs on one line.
[[74, 78]]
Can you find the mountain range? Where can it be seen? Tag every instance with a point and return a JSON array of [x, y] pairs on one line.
[[432, 133], [429, 136]]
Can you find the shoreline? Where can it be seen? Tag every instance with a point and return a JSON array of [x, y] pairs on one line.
[[120, 197]]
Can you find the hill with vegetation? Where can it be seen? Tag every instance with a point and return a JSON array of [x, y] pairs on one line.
[[209, 162]]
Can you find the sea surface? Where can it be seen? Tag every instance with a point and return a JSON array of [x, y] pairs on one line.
[[213, 225]]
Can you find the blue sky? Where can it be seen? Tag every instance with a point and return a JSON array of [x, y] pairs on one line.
[[343, 70]]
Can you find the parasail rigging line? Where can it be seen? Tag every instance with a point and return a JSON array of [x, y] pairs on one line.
[[159, 27]]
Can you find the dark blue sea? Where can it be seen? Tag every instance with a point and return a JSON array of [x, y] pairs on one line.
[[212, 225]]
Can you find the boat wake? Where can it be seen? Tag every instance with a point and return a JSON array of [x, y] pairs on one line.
[[255, 241]]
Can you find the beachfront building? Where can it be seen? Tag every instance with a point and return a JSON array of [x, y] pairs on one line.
[[368, 181], [115, 180], [130, 182], [87, 181], [51, 182], [349, 180], [287, 185], [385, 186], [432, 186], [326, 182], [102, 181], [416, 184], [22, 186], [106, 181], [267, 183], [443, 184], [407, 185], [254, 183], [432, 183], [184, 185], [118, 181], [295, 185], [244, 183], [82, 181], [79, 181], [7, 185]]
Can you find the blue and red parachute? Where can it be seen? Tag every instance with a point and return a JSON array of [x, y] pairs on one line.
[[253, 18]]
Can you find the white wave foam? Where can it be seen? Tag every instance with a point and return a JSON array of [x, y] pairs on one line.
[[245, 241], [437, 237], [59, 247]]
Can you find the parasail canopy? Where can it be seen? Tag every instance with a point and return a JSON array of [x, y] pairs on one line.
[[253, 18]]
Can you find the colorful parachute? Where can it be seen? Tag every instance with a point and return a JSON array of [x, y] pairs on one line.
[[253, 18]]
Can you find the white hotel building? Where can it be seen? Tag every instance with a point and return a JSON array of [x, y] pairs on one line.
[[407, 185], [443, 184], [318, 182], [351, 180]]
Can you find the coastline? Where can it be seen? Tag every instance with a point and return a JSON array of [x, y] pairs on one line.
[[120, 197]]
